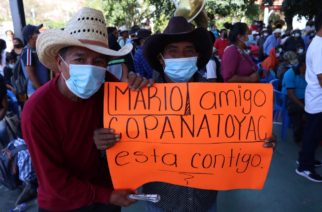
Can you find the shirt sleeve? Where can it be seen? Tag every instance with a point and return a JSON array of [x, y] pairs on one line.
[[43, 144], [230, 63], [211, 69], [289, 79], [267, 45]]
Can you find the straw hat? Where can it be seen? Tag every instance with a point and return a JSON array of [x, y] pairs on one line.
[[86, 29]]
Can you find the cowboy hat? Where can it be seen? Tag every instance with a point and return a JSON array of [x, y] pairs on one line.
[[178, 29], [86, 29]]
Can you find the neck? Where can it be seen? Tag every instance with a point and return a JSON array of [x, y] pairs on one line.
[[319, 33], [240, 45]]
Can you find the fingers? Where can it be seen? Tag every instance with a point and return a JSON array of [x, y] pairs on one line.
[[270, 143], [131, 78], [120, 197], [105, 138], [137, 82]]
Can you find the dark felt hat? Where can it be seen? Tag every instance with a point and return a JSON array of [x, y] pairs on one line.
[[142, 34], [178, 29]]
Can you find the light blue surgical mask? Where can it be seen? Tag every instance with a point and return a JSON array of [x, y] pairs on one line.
[[180, 69], [84, 80]]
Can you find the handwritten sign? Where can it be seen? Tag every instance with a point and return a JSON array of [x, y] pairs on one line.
[[201, 135]]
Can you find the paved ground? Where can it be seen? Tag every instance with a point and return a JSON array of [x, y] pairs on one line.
[[284, 191]]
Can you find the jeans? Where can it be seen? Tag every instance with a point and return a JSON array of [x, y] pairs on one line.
[[311, 138]]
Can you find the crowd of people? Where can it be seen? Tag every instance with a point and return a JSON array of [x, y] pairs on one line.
[[55, 80]]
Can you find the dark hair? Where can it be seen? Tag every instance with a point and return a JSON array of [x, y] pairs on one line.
[[3, 46], [111, 29], [302, 62], [318, 21], [237, 29], [18, 39]]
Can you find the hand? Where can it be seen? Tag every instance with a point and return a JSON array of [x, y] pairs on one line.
[[137, 82], [271, 142], [254, 77], [105, 138], [120, 197]]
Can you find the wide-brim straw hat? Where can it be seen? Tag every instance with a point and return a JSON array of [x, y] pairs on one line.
[[177, 30], [86, 29]]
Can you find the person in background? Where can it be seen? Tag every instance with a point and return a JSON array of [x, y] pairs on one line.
[[124, 36], [4, 137], [272, 41], [116, 66], [34, 70], [17, 47], [9, 40], [260, 42], [141, 66], [63, 120], [313, 108], [293, 86], [290, 60], [3, 47], [221, 43], [295, 42], [237, 65]]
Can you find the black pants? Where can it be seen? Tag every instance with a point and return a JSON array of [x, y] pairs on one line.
[[311, 139], [296, 114], [92, 208]]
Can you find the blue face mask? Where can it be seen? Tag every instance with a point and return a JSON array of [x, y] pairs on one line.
[[84, 80], [181, 69]]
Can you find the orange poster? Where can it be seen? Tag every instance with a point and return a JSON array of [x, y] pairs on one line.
[[200, 135]]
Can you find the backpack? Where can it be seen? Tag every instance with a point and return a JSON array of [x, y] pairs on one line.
[[18, 79], [9, 176]]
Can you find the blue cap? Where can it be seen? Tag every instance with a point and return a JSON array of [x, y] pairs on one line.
[[29, 30]]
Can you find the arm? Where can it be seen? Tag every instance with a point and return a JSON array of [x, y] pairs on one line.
[[4, 104], [254, 77], [291, 96], [45, 148], [32, 76], [125, 72], [320, 79]]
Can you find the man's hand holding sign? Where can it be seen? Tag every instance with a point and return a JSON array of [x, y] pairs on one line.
[[207, 136]]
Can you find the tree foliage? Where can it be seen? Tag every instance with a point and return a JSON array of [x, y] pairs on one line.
[[307, 8], [130, 12]]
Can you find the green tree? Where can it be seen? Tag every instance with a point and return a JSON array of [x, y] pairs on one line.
[[125, 12], [307, 8]]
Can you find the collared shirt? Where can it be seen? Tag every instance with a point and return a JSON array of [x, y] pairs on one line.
[[271, 42], [141, 65]]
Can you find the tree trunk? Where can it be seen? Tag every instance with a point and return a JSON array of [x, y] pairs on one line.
[[289, 21]]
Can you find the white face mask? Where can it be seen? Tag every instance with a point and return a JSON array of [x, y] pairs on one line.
[[180, 69], [11, 66], [84, 80]]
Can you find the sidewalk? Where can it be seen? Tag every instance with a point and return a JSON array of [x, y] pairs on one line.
[[284, 190]]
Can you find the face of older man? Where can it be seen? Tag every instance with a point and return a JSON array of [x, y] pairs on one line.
[[179, 50], [80, 56]]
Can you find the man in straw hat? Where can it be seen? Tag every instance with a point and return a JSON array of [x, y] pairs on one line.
[[64, 117]]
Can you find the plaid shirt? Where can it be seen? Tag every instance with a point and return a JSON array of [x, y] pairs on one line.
[[141, 66]]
